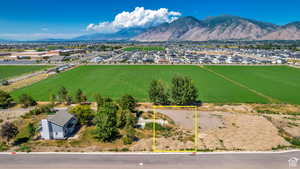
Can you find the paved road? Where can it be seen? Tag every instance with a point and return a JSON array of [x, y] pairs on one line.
[[151, 161]]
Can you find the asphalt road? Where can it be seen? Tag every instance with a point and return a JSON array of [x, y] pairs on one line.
[[148, 161]]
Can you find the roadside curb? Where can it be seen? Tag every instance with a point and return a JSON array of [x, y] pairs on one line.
[[148, 153]]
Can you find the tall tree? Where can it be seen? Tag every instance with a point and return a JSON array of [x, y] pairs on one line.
[[80, 97], [62, 94], [157, 93], [8, 131], [106, 122], [5, 99], [99, 100], [184, 91]]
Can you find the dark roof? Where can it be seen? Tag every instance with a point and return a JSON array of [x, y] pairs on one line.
[[60, 118]]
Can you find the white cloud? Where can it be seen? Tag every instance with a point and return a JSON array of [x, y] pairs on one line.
[[139, 17]]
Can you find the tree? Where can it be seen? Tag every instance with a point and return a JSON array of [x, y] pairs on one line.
[[121, 118], [99, 100], [53, 99], [183, 91], [83, 113], [157, 93], [128, 102], [62, 94], [130, 120], [27, 101], [105, 120], [5, 99], [80, 97], [9, 131]]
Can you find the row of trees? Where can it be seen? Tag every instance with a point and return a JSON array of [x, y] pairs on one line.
[[63, 96], [6, 100], [182, 92]]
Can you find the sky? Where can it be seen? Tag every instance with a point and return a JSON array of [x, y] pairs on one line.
[[39, 19]]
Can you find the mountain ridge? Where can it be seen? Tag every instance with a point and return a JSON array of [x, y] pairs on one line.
[[223, 27]]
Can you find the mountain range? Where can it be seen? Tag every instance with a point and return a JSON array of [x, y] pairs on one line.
[[224, 27]]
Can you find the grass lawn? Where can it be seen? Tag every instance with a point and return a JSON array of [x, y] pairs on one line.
[[279, 82], [144, 48], [12, 71], [115, 81]]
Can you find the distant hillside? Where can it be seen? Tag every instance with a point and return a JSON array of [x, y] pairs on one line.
[[290, 31], [224, 27], [125, 34]]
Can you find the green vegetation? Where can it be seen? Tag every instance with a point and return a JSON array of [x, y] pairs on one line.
[[145, 48], [84, 114], [183, 92], [8, 131], [12, 71], [5, 100], [157, 93], [26, 101], [158, 127], [115, 81], [277, 82]]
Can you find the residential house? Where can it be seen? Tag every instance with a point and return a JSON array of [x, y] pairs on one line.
[[59, 126]]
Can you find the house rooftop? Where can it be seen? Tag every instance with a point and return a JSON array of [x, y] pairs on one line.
[[60, 118]]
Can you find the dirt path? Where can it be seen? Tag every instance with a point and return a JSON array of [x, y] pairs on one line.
[[24, 82]]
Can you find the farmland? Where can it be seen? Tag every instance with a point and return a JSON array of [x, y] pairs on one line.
[[13, 71], [145, 48], [217, 84]]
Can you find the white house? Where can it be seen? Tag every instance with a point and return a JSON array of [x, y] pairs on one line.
[[59, 126]]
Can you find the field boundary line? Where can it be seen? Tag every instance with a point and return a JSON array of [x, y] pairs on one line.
[[269, 98]]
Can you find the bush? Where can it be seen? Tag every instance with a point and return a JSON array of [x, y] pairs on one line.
[[127, 140], [26, 101], [158, 127], [44, 109], [3, 147], [83, 113], [5, 100], [24, 148], [8, 131]]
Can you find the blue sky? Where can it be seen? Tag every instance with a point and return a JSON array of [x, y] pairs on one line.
[[35, 19]]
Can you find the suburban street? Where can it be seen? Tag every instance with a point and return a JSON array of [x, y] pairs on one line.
[[148, 161]]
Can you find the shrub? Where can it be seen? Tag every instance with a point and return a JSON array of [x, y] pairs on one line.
[[44, 109], [83, 113], [5, 100], [9, 131], [158, 127], [127, 140], [26, 101], [24, 148], [3, 147]]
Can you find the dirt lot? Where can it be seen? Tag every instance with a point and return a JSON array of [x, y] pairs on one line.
[[232, 127]]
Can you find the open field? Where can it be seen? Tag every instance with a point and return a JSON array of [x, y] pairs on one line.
[[282, 83], [218, 84], [13, 71], [144, 48]]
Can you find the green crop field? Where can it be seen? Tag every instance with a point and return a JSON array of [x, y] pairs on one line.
[[282, 83], [145, 48], [12, 71], [218, 84]]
